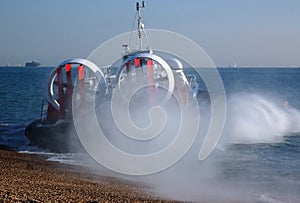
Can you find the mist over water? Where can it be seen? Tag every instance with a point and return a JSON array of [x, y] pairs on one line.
[[254, 160]]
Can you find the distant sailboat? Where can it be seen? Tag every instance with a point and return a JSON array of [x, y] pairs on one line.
[[235, 65]]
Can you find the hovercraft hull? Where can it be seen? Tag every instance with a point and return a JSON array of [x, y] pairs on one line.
[[59, 137]]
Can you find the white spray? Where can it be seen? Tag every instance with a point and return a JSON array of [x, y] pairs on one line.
[[253, 118]]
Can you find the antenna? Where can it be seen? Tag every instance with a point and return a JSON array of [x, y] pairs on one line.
[[140, 30], [140, 23], [138, 5]]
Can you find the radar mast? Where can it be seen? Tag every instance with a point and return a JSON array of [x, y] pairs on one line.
[[140, 31]]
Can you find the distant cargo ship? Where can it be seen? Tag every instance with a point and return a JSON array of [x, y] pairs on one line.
[[32, 64]]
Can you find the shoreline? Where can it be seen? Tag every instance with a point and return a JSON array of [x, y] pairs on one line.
[[30, 178]]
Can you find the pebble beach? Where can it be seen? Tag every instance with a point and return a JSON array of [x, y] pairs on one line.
[[30, 178]]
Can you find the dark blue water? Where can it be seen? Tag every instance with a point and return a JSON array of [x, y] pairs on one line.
[[22, 91], [282, 82], [258, 153]]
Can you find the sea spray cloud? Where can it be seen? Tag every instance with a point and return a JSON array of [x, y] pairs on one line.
[[256, 118], [94, 140]]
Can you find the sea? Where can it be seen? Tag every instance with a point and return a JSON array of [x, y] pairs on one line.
[[256, 160]]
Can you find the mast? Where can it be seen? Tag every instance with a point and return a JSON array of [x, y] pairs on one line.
[[140, 24], [140, 32]]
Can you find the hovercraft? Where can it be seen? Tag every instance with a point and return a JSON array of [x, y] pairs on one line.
[[74, 83]]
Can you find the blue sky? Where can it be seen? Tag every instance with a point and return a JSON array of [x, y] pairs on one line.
[[250, 32]]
